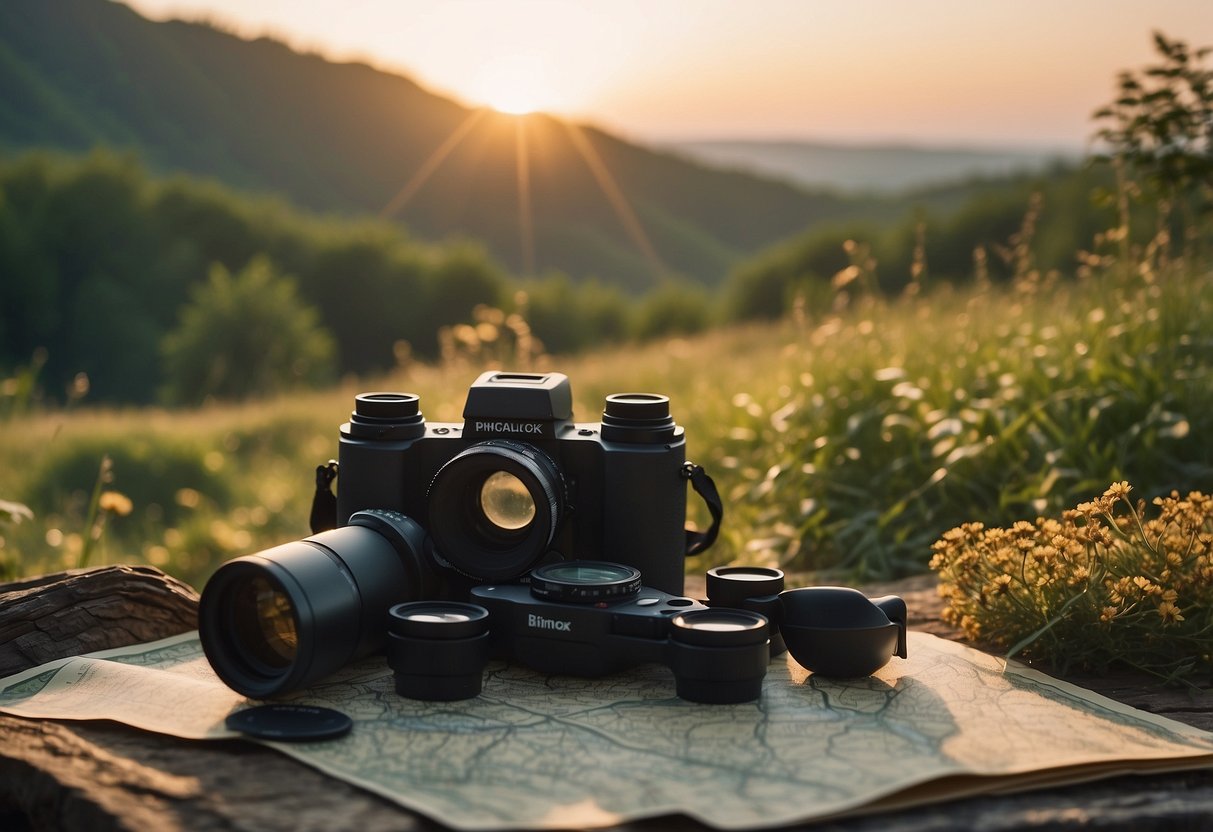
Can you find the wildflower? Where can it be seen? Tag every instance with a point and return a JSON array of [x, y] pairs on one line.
[[1002, 584], [1107, 614], [116, 503], [1169, 613], [1118, 490]]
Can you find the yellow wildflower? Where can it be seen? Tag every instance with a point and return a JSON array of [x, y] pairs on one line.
[[115, 502], [1169, 613]]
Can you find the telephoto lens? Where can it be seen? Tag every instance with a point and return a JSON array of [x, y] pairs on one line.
[[719, 656], [753, 588], [284, 618], [438, 649]]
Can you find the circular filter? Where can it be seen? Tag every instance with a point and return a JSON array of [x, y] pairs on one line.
[[441, 620], [719, 627], [585, 581], [290, 723], [731, 585]]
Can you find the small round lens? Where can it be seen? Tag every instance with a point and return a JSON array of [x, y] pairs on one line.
[[506, 501], [585, 581], [588, 573], [720, 627], [438, 617], [265, 623]]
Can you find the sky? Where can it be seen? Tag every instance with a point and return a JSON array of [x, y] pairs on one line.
[[990, 73]]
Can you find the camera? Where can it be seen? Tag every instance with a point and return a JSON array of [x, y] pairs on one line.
[[592, 618], [426, 511], [518, 483]]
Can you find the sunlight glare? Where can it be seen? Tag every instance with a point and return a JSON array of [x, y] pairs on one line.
[[516, 84]]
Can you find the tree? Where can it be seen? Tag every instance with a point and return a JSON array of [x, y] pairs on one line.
[[245, 335], [1161, 127]]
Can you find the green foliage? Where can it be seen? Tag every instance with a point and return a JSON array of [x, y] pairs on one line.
[[890, 423], [245, 335], [673, 309], [150, 470], [944, 244], [1161, 122]]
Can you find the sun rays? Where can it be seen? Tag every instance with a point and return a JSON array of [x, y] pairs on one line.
[[607, 184]]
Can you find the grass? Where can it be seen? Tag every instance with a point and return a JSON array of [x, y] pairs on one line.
[[845, 441]]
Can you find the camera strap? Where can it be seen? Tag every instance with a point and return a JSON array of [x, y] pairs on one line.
[[698, 541], [324, 504]]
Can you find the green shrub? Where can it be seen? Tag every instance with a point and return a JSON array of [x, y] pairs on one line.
[[245, 335]]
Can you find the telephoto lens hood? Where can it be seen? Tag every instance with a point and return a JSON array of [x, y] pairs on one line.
[[438, 649], [838, 632]]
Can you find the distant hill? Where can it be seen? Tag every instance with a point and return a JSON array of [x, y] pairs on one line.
[[888, 168], [348, 138]]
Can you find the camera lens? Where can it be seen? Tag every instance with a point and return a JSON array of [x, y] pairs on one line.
[[438, 649], [506, 503], [265, 622], [719, 656], [286, 617], [494, 508], [637, 418], [585, 581]]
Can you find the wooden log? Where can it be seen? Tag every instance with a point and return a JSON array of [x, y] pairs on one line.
[[97, 775], [83, 611]]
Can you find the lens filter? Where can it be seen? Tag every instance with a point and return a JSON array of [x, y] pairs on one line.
[[438, 649], [585, 581]]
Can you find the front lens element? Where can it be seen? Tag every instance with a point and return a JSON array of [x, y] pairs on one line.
[[506, 502], [264, 622]]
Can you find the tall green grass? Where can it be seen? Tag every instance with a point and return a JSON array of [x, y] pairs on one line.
[[845, 440]]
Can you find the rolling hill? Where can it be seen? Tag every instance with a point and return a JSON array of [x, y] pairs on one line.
[[350, 139], [871, 168]]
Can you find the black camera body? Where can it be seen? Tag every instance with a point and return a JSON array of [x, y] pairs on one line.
[[518, 483]]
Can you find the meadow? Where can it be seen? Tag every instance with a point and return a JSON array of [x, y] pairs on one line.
[[845, 439]]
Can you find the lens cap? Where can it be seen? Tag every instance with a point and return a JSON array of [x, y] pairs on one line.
[[290, 723]]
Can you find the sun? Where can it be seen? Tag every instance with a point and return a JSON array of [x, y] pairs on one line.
[[516, 84]]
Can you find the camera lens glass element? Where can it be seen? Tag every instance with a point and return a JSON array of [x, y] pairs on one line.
[[264, 622], [494, 508], [506, 502], [720, 627], [585, 581]]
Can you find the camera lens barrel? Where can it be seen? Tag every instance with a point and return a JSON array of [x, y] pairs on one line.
[[638, 418], [438, 649], [719, 656], [387, 416], [284, 618]]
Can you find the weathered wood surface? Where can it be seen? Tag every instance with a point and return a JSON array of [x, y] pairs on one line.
[[96, 775]]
